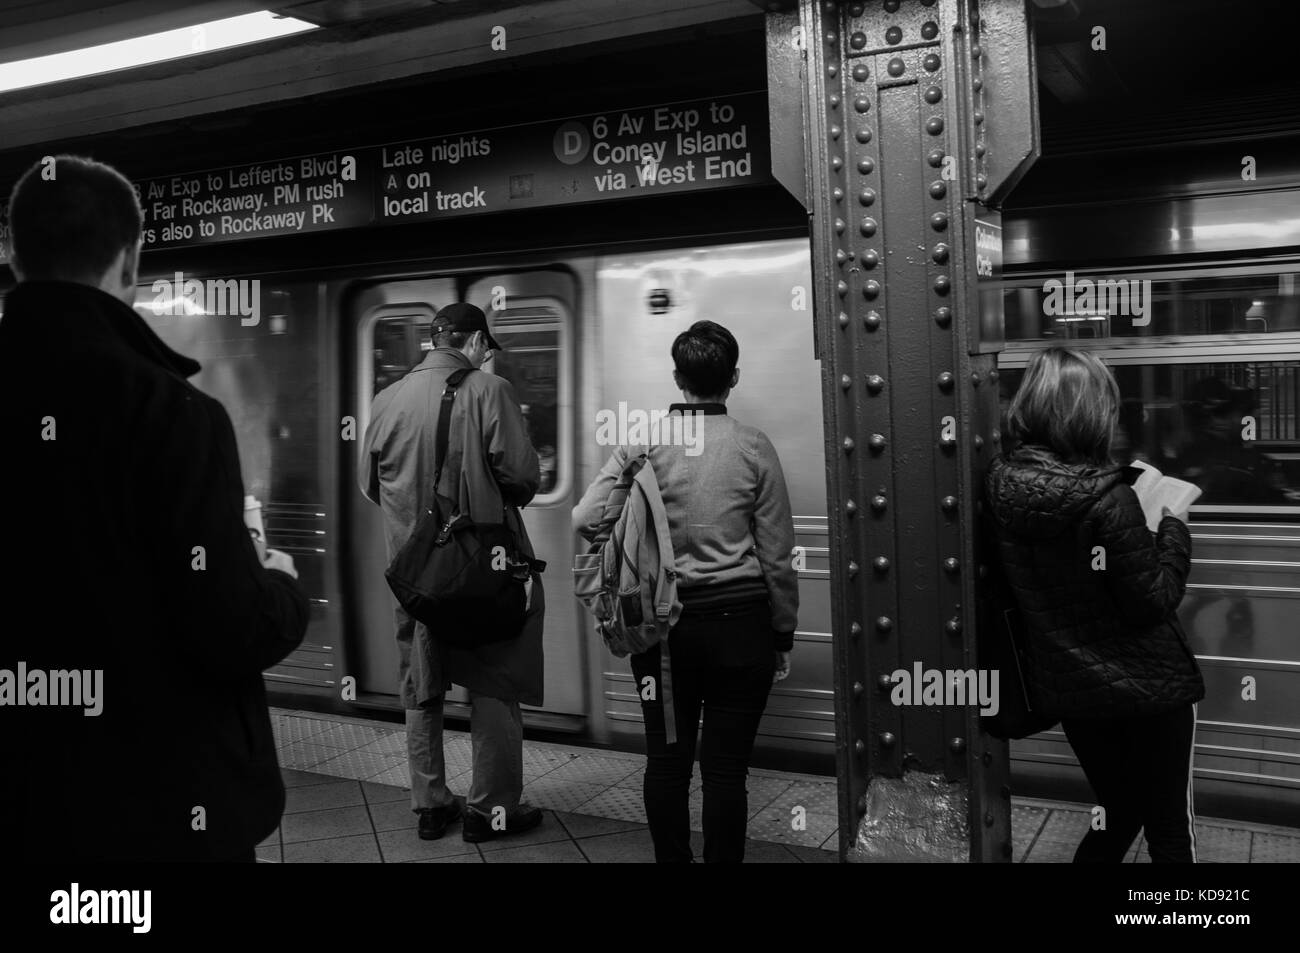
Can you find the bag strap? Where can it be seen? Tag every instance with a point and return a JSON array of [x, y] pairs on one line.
[[444, 421], [617, 499]]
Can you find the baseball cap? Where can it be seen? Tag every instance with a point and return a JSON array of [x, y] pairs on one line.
[[463, 316]]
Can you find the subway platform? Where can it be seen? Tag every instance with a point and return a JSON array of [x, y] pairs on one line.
[[348, 802]]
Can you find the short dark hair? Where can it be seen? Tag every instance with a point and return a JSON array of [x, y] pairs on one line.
[[706, 355], [68, 219], [454, 339], [1069, 401]]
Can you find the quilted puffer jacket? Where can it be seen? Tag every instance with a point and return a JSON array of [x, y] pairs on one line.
[[1102, 642]]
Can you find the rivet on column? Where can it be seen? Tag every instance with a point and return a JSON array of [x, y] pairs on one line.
[[878, 503], [953, 625], [869, 258], [948, 503], [880, 564], [957, 745], [871, 289], [848, 444], [939, 221], [940, 253], [876, 442], [943, 316], [945, 380], [872, 320], [853, 569], [885, 682], [887, 739], [896, 67], [855, 630], [875, 383], [845, 382], [951, 565]]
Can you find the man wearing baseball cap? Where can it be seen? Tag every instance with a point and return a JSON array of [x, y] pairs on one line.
[[490, 464]]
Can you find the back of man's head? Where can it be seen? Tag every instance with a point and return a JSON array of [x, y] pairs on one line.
[[70, 218]]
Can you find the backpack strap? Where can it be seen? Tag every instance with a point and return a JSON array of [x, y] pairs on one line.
[[667, 609], [444, 421]]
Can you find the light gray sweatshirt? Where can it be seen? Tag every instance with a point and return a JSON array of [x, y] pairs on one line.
[[728, 509]]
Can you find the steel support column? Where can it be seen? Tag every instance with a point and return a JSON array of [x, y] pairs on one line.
[[914, 125]]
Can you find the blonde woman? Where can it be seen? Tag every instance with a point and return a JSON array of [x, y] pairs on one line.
[[1106, 654]]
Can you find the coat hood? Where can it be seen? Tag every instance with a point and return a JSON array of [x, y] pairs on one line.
[[1034, 494]]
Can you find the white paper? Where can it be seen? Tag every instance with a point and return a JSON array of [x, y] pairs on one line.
[[1155, 491]]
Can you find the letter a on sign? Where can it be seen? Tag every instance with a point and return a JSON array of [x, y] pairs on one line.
[[648, 689], [498, 558]]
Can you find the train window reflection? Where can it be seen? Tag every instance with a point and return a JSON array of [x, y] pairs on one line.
[[398, 343], [530, 361], [1072, 306], [1233, 429]]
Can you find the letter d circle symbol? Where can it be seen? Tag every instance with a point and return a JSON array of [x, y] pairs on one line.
[[572, 142]]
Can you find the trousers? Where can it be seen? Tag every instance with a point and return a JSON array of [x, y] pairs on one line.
[[721, 664], [1140, 769], [497, 742]]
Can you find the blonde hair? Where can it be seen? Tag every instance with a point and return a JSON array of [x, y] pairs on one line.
[[1068, 401]]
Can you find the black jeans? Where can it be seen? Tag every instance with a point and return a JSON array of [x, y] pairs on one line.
[[1140, 768], [721, 662]]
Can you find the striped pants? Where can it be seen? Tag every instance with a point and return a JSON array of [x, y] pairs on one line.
[[1140, 769]]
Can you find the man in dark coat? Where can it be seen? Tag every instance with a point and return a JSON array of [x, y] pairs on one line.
[[136, 613], [491, 470]]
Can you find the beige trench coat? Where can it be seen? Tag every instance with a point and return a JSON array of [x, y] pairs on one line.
[[490, 464]]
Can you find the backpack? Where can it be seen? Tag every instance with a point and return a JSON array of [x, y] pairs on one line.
[[627, 579]]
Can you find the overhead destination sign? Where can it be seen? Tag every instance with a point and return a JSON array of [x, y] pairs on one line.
[[650, 150], [705, 144]]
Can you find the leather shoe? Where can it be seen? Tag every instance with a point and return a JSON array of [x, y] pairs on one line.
[[478, 827], [434, 821]]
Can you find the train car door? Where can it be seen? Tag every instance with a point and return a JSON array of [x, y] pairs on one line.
[[390, 326], [531, 316]]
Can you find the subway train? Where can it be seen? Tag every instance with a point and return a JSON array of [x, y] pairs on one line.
[[1190, 295], [1208, 353]]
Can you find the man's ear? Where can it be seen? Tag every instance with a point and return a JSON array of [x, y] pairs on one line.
[[735, 377], [130, 273], [677, 379]]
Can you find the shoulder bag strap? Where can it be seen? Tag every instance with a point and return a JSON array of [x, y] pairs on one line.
[[444, 421]]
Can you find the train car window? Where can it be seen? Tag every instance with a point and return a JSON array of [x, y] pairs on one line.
[[1078, 306], [531, 335], [398, 343], [1233, 429]]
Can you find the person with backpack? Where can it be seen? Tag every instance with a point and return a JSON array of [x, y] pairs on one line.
[[731, 538], [1104, 651], [490, 471]]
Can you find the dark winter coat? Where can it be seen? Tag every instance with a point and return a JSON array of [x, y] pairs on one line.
[[1104, 642], [124, 550], [491, 467]]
